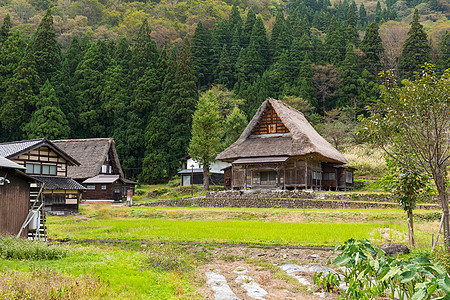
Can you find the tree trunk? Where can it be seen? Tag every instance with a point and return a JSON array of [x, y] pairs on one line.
[[439, 179], [412, 240], [206, 178]]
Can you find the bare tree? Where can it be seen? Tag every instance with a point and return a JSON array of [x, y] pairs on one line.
[[411, 123], [393, 34], [326, 80]]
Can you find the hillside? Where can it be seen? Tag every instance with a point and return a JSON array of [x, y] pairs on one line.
[[134, 71]]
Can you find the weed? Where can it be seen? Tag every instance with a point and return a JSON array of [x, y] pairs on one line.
[[168, 257], [18, 248]]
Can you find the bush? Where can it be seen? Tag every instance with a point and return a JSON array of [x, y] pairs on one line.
[[139, 192], [175, 182], [19, 248], [168, 257]]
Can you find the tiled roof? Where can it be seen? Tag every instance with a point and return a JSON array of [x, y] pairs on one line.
[[11, 148], [14, 149], [59, 183], [6, 163], [102, 179]]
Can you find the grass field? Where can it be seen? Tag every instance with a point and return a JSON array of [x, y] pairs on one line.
[[236, 225], [164, 270]]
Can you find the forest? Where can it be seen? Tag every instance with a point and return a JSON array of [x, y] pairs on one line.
[[134, 70]]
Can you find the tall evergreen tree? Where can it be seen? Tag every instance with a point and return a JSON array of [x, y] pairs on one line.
[[349, 77], [182, 106], [373, 48], [235, 19], [48, 119], [259, 38], [378, 13], [280, 38], [201, 55], [416, 50], [444, 51], [46, 49], [224, 69], [12, 51], [89, 86], [20, 98], [65, 86], [144, 52], [248, 27], [5, 30], [362, 16]]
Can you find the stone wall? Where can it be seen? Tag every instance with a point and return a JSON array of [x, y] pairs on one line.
[[286, 199]]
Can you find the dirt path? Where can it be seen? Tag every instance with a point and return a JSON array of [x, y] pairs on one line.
[[264, 270]]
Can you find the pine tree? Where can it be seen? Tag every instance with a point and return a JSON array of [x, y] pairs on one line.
[[20, 98], [201, 55], [65, 85], [260, 42], [373, 48], [416, 50], [182, 106], [378, 13], [145, 52], [444, 52], [89, 86], [281, 37], [48, 120], [349, 79], [5, 30], [248, 27], [362, 16], [46, 49], [12, 51], [206, 134], [224, 69], [235, 19]]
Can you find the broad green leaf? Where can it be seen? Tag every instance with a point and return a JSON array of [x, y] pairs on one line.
[[392, 272], [407, 276]]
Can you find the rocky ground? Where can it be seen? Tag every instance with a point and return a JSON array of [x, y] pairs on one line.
[[236, 272]]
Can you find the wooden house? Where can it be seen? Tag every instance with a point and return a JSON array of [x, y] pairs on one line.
[[47, 163], [16, 188], [280, 149], [99, 169]]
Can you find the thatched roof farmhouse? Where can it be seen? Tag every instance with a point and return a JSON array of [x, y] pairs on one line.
[[280, 149]]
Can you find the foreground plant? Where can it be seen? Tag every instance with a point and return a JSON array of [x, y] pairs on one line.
[[367, 273]]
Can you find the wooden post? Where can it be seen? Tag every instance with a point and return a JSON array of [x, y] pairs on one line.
[[284, 177], [245, 177], [306, 174]]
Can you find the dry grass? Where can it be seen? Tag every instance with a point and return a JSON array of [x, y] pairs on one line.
[[369, 162], [46, 284]]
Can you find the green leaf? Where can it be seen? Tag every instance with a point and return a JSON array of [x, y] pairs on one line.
[[341, 259], [444, 284], [392, 272], [419, 295], [407, 276]]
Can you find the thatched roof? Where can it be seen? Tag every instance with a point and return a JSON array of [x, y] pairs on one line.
[[302, 140], [90, 153]]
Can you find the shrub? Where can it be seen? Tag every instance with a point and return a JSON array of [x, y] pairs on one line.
[[175, 182], [168, 257], [369, 274], [19, 248], [46, 284], [139, 192]]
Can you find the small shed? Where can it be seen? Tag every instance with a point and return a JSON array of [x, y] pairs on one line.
[[107, 188], [14, 197], [193, 170]]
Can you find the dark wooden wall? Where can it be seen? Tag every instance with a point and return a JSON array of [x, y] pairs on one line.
[[14, 203], [269, 123], [99, 194]]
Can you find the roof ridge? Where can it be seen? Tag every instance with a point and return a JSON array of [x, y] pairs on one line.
[[83, 140], [25, 141]]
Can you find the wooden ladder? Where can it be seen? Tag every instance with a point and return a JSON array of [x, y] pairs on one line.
[[36, 204]]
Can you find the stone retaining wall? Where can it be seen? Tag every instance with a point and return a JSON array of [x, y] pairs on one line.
[[254, 202]]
